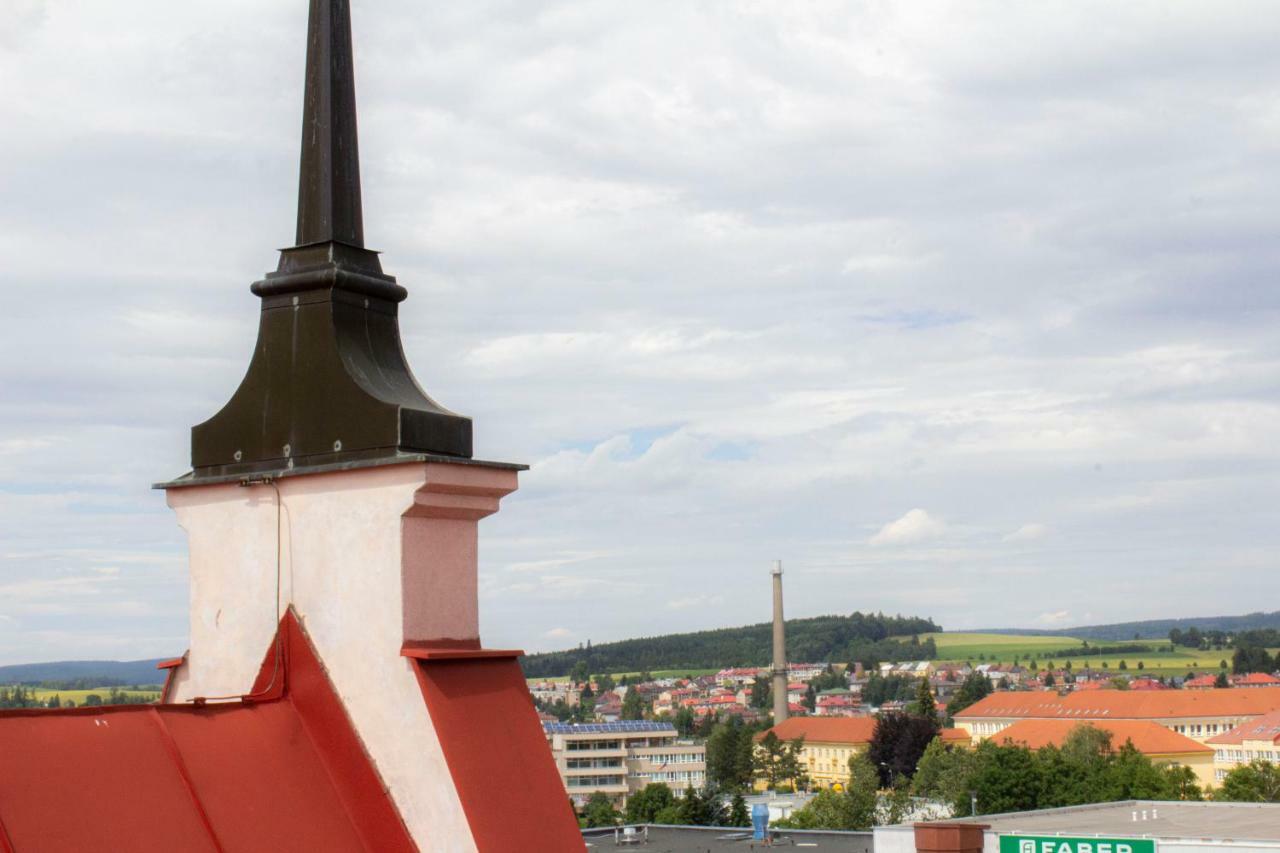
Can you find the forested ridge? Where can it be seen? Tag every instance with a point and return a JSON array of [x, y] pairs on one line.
[[836, 639]]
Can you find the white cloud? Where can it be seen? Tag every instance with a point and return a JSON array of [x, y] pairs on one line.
[[1029, 532], [1056, 619], [558, 634], [701, 265], [914, 527]]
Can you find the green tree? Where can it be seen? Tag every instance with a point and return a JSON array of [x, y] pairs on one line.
[[579, 674], [738, 814], [778, 761], [633, 705], [599, 811], [701, 808], [1255, 782], [924, 704], [729, 756], [1251, 659], [1222, 681], [685, 721], [975, 687], [851, 809], [898, 742], [644, 805], [605, 683], [944, 773], [760, 692], [1006, 779]]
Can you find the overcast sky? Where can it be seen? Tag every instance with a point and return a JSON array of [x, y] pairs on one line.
[[967, 310]]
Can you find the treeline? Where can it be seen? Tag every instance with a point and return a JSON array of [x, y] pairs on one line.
[[859, 636], [1087, 768], [21, 696]]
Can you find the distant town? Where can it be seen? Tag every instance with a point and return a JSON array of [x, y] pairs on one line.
[[962, 730]]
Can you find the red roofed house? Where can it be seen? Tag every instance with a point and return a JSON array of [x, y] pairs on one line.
[[336, 696], [829, 743], [1200, 682], [1153, 740], [1255, 679], [1252, 741]]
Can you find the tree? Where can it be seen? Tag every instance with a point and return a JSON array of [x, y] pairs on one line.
[[701, 809], [1222, 681], [924, 704], [685, 721], [644, 805], [579, 673], [975, 687], [760, 692], [898, 743], [599, 811], [1049, 680], [851, 809], [604, 683], [1005, 779], [738, 814], [633, 705], [810, 699], [1251, 659], [729, 756], [1255, 782], [777, 761], [944, 773]]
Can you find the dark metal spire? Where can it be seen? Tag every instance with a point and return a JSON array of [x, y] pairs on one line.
[[328, 384], [329, 184]]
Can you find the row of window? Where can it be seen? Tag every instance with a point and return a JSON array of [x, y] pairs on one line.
[[594, 781], [692, 777], [592, 763], [675, 758], [1205, 728], [1247, 754], [583, 745]]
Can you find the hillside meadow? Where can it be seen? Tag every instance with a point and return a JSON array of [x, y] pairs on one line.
[[1005, 648]]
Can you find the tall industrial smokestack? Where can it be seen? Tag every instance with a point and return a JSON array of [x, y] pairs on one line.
[[779, 649]]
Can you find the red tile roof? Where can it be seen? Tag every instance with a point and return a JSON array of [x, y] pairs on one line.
[[1264, 728], [283, 771], [1254, 679], [1126, 704], [1147, 737]]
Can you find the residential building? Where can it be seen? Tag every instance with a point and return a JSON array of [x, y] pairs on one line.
[[1255, 679], [829, 743], [1255, 740], [838, 703], [620, 758], [1161, 745], [1198, 714]]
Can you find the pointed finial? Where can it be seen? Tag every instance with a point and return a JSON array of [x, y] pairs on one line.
[[329, 186]]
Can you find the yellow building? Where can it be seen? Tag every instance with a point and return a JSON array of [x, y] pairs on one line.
[[1198, 714], [1253, 741], [829, 743], [1160, 744]]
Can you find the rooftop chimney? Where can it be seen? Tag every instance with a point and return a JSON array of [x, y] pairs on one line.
[[780, 680]]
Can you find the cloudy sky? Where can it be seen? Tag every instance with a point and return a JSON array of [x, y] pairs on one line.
[[962, 310]]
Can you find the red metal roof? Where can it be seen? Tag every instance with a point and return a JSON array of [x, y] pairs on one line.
[[282, 771]]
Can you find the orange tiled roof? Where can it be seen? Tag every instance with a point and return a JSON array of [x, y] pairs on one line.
[[1255, 678], [1147, 737], [1264, 728], [1126, 704]]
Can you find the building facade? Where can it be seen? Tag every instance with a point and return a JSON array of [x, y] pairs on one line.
[[1256, 740], [618, 759], [1198, 714]]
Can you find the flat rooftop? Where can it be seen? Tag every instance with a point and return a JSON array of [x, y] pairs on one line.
[[704, 839], [1217, 821]]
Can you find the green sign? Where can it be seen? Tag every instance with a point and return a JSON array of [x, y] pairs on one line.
[[1065, 844]]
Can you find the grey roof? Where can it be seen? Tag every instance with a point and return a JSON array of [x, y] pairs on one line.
[[706, 839], [620, 727], [1169, 820]]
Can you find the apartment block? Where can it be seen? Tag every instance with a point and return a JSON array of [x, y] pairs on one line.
[[618, 759]]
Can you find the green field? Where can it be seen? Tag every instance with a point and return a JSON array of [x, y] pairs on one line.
[[79, 696], [1004, 648]]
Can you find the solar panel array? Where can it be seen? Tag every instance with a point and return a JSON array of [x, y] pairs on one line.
[[620, 727]]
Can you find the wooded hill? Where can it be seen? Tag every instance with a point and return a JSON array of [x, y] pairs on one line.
[[834, 639], [1152, 629]]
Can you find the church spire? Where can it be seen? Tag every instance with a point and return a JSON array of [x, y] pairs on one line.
[[329, 183], [328, 384]]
